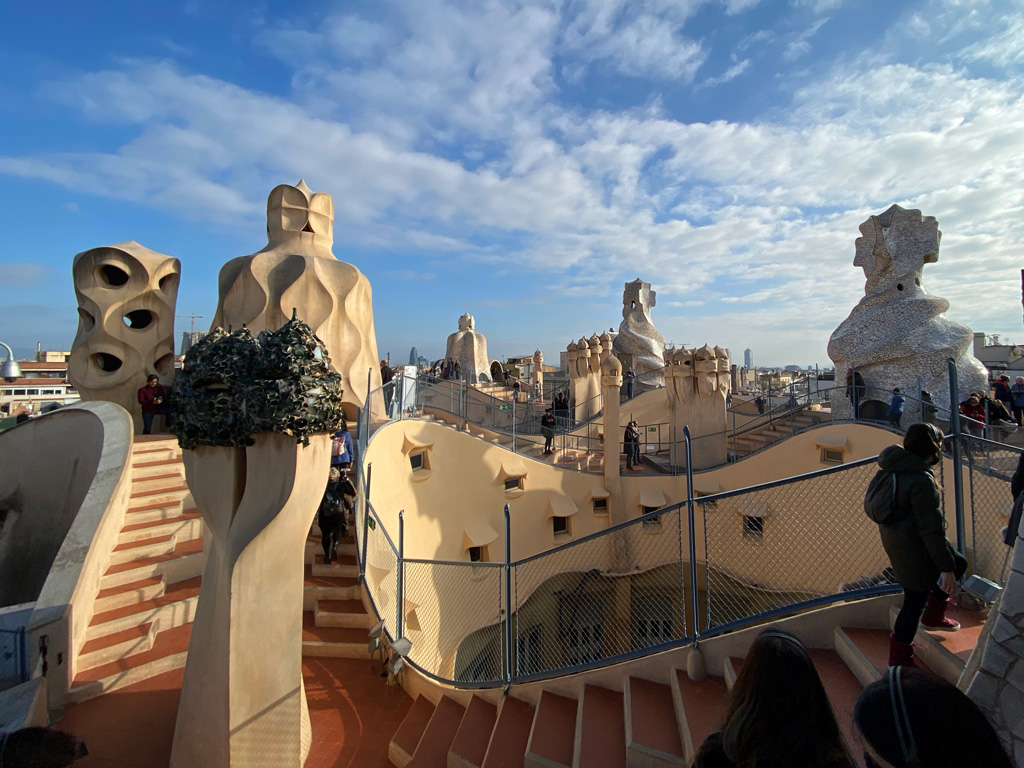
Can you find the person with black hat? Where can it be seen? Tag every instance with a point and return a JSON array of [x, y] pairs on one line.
[[547, 428]]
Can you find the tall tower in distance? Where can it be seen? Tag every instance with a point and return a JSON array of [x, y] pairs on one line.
[[748, 359]]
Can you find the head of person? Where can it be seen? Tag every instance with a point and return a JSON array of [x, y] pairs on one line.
[[1005, 379], [974, 400], [334, 475], [910, 718], [1020, 380], [778, 669], [896, 390], [152, 380], [925, 441]]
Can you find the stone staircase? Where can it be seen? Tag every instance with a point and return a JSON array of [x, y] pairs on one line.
[[142, 617], [334, 621], [767, 434], [646, 720]]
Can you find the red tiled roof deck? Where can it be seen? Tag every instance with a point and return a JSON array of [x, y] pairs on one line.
[[352, 712]]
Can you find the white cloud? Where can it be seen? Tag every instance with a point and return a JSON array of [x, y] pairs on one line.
[[731, 73]]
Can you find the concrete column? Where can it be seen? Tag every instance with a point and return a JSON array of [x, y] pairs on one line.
[[242, 703]]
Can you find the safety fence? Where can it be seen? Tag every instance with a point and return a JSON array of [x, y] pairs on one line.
[[707, 565]]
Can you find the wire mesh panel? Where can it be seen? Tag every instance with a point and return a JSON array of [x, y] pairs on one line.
[[382, 573], [599, 598], [988, 503], [453, 615], [787, 544]]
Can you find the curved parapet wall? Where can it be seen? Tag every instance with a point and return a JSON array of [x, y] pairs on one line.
[[65, 480]]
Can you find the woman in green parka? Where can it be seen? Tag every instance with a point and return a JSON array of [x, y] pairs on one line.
[[925, 563]]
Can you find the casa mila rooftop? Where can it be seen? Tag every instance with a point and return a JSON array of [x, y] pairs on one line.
[[508, 594]]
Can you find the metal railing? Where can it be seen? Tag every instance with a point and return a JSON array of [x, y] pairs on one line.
[[668, 578]]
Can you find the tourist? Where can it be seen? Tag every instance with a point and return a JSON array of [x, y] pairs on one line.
[[547, 428], [928, 407], [386, 377], [330, 516], [974, 416], [1017, 390], [778, 715], [1002, 391], [631, 444], [342, 452], [924, 562], [910, 719], [759, 402], [1012, 530], [517, 387], [152, 399], [630, 383], [854, 390], [536, 390], [896, 408]]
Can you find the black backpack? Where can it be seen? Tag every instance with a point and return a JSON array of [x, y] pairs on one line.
[[332, 505], [880, 500]]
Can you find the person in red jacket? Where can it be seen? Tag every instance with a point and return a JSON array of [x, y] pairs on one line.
[[152, 399]]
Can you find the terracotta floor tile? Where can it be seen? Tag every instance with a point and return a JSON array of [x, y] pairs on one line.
[[351, 712]]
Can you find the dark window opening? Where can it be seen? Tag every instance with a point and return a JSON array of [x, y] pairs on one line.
[[476, 554], [560, 525], [600, 506], [753, 528], [114, 276], [106, 362], [138, 319], [417, 461], [513, 483]]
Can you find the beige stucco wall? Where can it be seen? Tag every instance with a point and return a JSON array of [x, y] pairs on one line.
[[461, 492], [71, 466]]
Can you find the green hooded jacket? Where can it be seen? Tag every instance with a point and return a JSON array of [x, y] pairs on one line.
[[915, 541]]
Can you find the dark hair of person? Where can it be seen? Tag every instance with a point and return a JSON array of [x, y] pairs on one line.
[[939, 725], [778, 713], [38, 747], [152, 377], [924, 440]]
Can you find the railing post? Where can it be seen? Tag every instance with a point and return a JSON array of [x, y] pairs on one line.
[[401, 573], [515, 401], [958, 480], [366, 520], [508, 596], [693, 538]]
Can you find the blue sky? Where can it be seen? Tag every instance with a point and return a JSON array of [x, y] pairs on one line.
[[522, 160]]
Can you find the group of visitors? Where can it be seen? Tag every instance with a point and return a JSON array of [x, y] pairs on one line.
[[446, 370], [631, 445], [907, 719], [562, 410], [337, 503], [980, 411]]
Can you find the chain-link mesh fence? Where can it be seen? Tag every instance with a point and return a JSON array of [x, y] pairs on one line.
[[606, 596], [987, 502], [789, 544], [382, 572], [453, 616]]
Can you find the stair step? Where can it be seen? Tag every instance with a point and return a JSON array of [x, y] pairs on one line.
[[188, 525], [553, 733], [341, 613], [145, 512], [187, 558], [407, 737], [169, 651], [652, 731], [946, 653], [176, 606], [168, 495], [437, 738], [600, 728], [127, 594], [470, 743], [700, 705], [344, 642], [109, 648], [142, 548], [866, 652], [507, 747], [161, 482], [148, 466]]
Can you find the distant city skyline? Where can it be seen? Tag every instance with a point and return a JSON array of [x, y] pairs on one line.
[[523, 160]]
